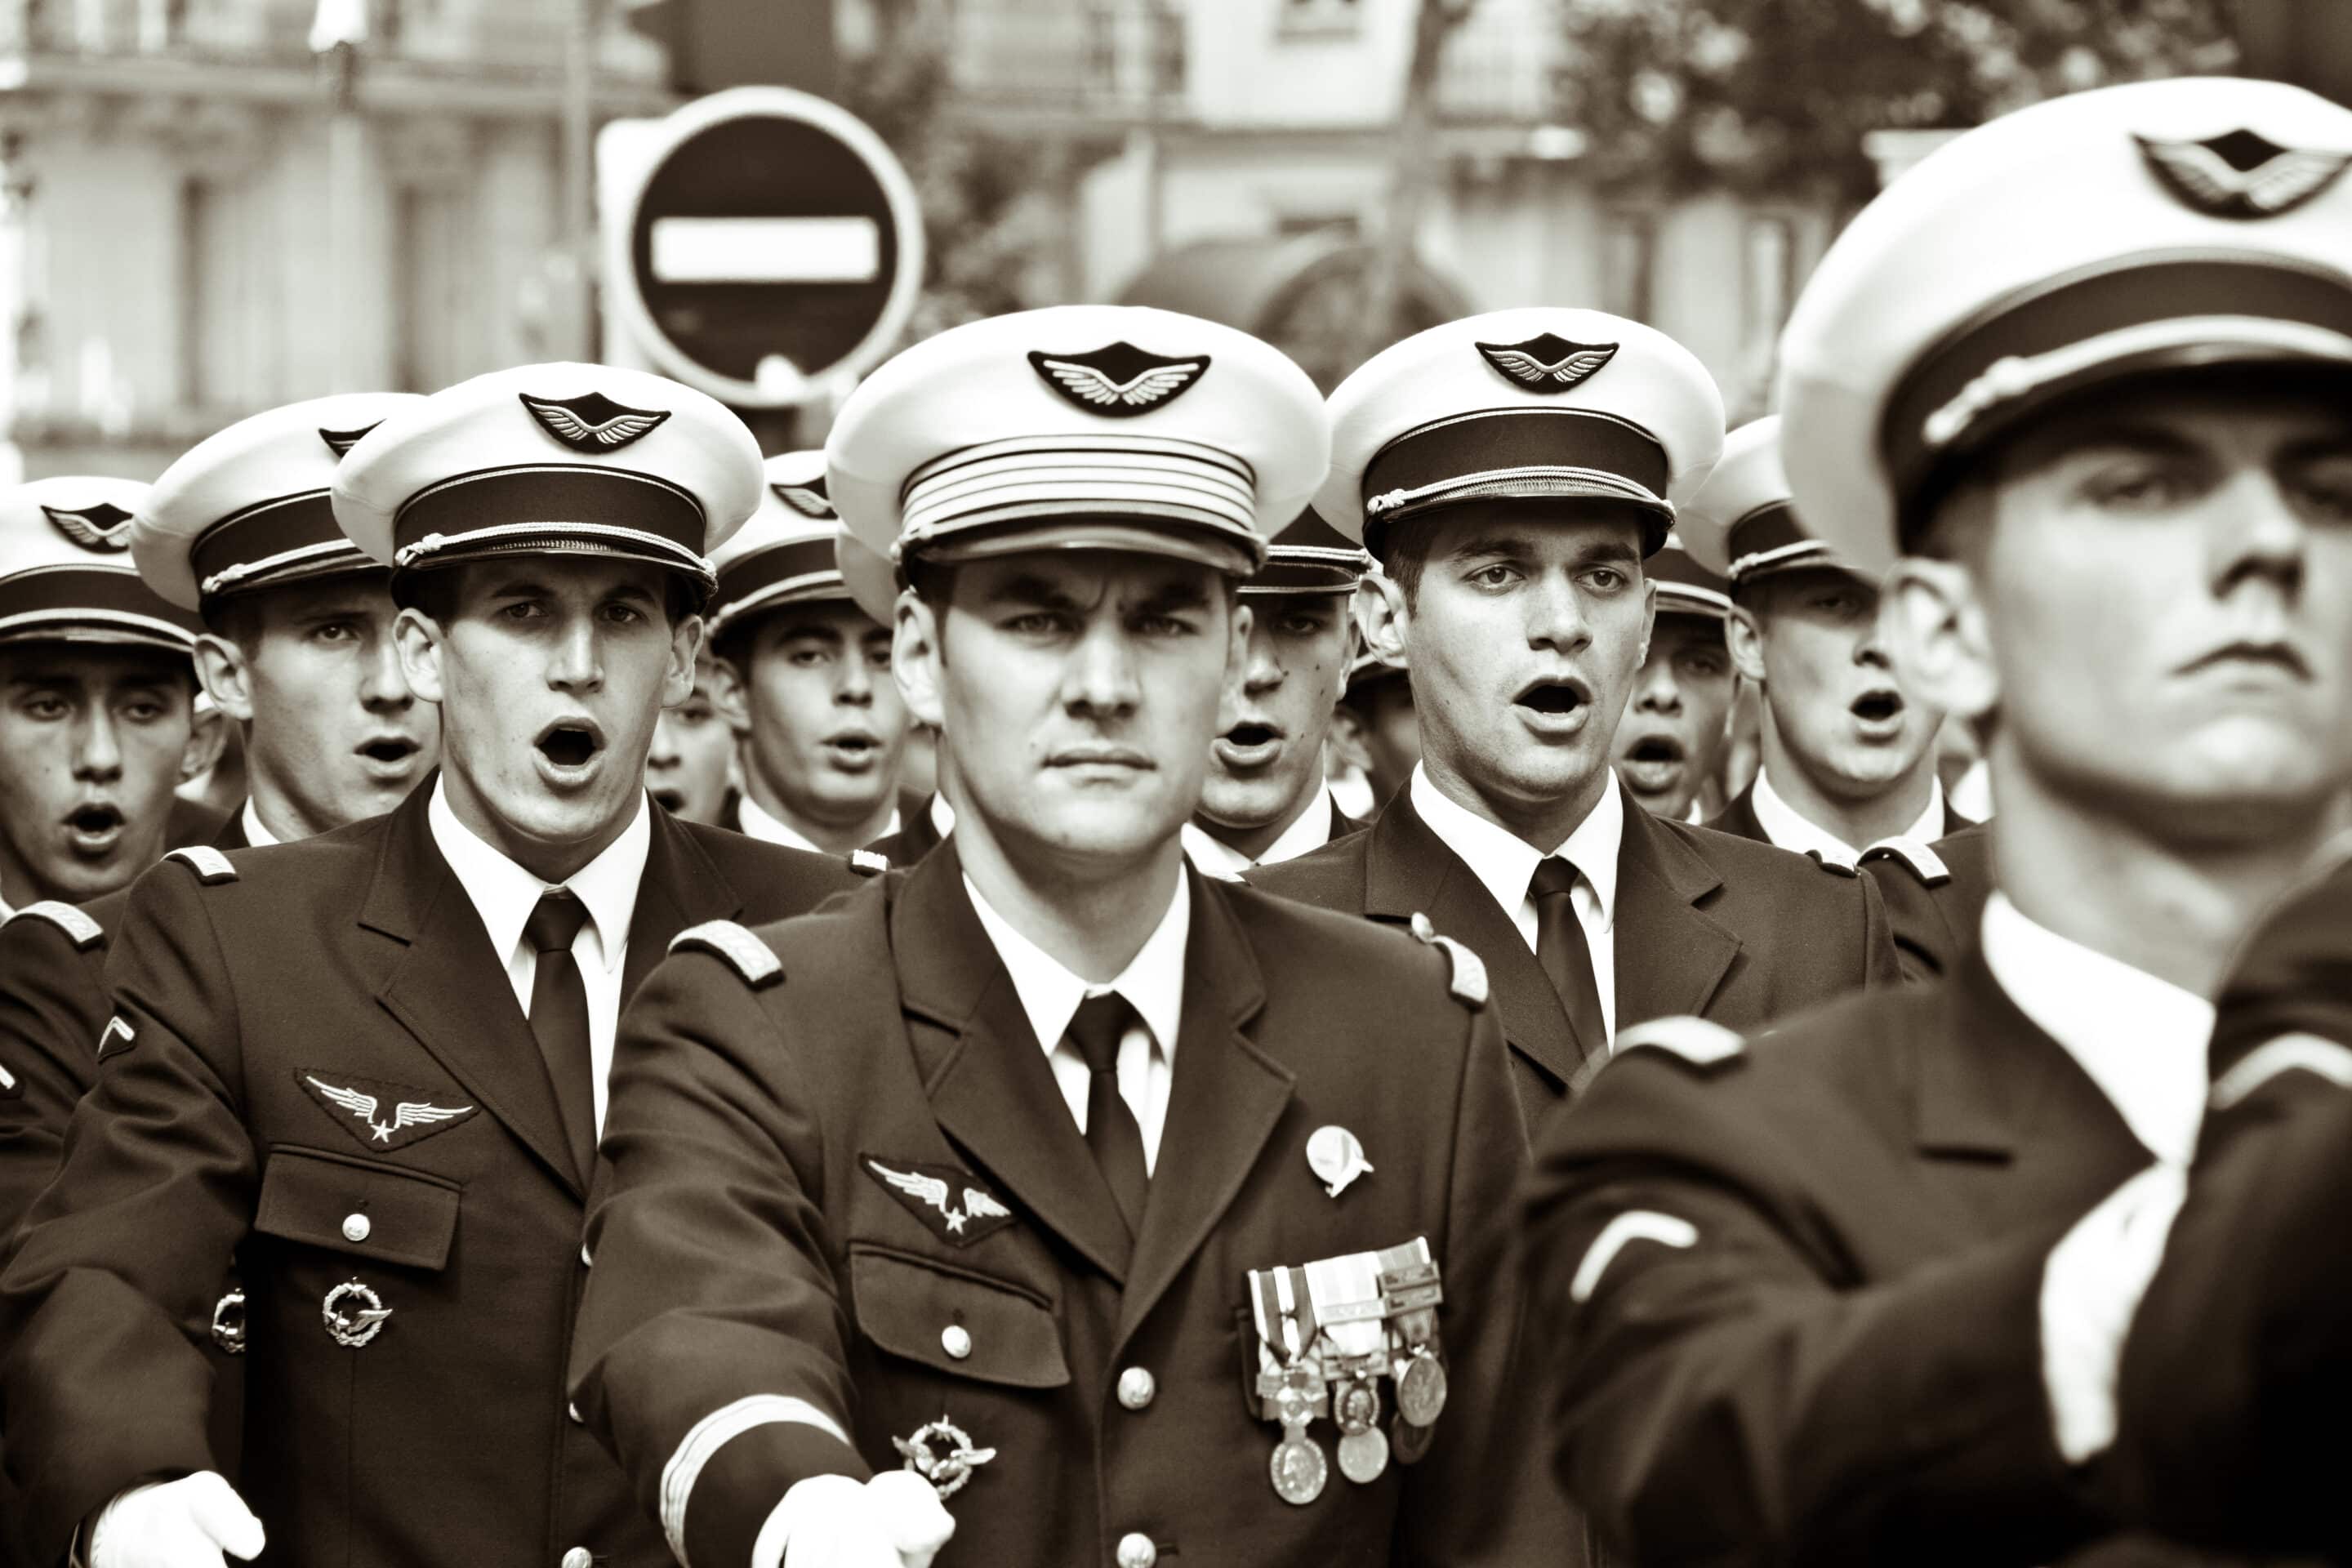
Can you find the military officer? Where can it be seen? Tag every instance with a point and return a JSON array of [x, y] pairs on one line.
[[1101, 1212], [925, 819], [1808, 1285], [1677, 725], [1264, 799], [97, 693], [805, 675], [372, 1062], [1512, 472], [691, 769], [1376, 723]]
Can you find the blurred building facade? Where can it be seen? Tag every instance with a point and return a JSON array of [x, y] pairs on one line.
[[199, 217], [1253, 141]]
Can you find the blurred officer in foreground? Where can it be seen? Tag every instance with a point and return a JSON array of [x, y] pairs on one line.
[[1265, 799], [806, 675], [1054, 1184], [371, 1063], [1376, 718], [2239, 1364], [1512, 472], [97, 723], [1678, 723], [689, 770], [1812, 1310]]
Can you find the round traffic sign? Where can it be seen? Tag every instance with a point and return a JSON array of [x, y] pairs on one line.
[[772, 241]]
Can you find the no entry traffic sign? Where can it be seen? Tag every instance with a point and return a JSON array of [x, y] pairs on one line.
[[770, 241]]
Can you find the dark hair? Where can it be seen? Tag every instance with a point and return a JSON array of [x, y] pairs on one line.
[[434, 592]]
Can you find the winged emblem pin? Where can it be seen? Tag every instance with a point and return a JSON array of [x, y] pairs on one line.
[[406, 1114], [935, 1191], [1547, 362], [591, 423], [104, 527], [1119, 379]]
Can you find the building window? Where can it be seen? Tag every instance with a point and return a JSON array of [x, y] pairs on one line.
[[1767, 280], [1321, 19], [217, 363], [1629, 245], [429, 306]]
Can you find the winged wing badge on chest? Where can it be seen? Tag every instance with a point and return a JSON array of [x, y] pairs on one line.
[[952, 1204], [381, 1116]]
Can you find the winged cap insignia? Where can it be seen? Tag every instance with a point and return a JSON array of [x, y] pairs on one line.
[[1119, 380], [2240, 173], [809, 499], [104, 527], [964, 1213], [592, 422], [342, 441], [1547, 362]]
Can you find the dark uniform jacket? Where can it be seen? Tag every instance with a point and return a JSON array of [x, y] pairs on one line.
[[1795, 1286], [1934, 900], [1705, 923], [916, 837], [258, 998], [747, 1247]]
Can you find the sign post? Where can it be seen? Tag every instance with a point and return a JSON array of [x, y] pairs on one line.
[[764, 244]]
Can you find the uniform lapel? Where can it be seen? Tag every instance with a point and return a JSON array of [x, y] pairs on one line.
[[1671, 956], [681, 888], [451, 991], [1408, 870], [991, 1089], [1739, 818], [1226, 1098], [232, 832]]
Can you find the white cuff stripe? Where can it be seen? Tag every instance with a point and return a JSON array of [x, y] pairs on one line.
[[2090, 1291], [1634, 1225], [2313, 1054], [714, 1432]]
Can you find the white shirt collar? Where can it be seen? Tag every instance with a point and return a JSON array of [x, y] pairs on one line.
[[2141, 1039], [255, 833], [504, 894], [942, 815], [758, 823], [1507, 863], [1785, 827], [1307, 832], [1152, 982]]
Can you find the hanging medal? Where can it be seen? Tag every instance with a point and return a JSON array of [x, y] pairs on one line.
[[1348, 1305], [1411, 1293], [1296, 1394]]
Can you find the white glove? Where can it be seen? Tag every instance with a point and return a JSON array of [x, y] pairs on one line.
[[186, 1523], [895, 1521]]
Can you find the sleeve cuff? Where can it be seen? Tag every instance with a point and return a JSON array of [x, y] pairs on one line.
[[721, 1488]]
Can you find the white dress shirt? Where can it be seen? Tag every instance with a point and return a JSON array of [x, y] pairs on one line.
[[255, 833], [1507, 864], [1785, 827], [2143, 1041], [1310, 831], [1154, 984], [758, 824], [942, 815], [504, 895]]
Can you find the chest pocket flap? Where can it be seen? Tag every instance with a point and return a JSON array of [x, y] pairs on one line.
[[928, 1312], [359, 1207]]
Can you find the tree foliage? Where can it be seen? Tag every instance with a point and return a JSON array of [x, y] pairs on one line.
[[1778, 94]]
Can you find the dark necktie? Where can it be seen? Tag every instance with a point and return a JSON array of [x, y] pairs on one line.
[[1567, 956], [559, 1017], [1111, 1130]]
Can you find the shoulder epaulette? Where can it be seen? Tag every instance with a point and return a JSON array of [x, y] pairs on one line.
[[868, 862], [209, 864], [1468, 981], [80, 929], [1925, 863], [1834, 868], [1701, 1042], [753, 959]]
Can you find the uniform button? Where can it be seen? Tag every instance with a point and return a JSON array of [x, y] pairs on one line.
[[1135, 1551], [1137, 1387], [585, 1261], [578, 1557], [955, 1341], [356, 1227], [573, 1411]]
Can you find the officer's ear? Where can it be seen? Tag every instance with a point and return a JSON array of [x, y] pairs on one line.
[[729, 694], [1384, 616], [225, 676], [686, 634], [917, 660], [1936, 626], [207, 740], [1744, 635], [1649, 617], [419, 638]]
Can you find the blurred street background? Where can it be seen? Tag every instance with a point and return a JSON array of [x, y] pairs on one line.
[[208, 207]]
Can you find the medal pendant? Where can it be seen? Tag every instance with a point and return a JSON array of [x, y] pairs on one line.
[[1408, 1442], [1298, 1469], [1363, 1455], [1355, 1405], [1420, 1389]]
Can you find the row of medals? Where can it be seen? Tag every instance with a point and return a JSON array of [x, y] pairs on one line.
[[1347, 1390]]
